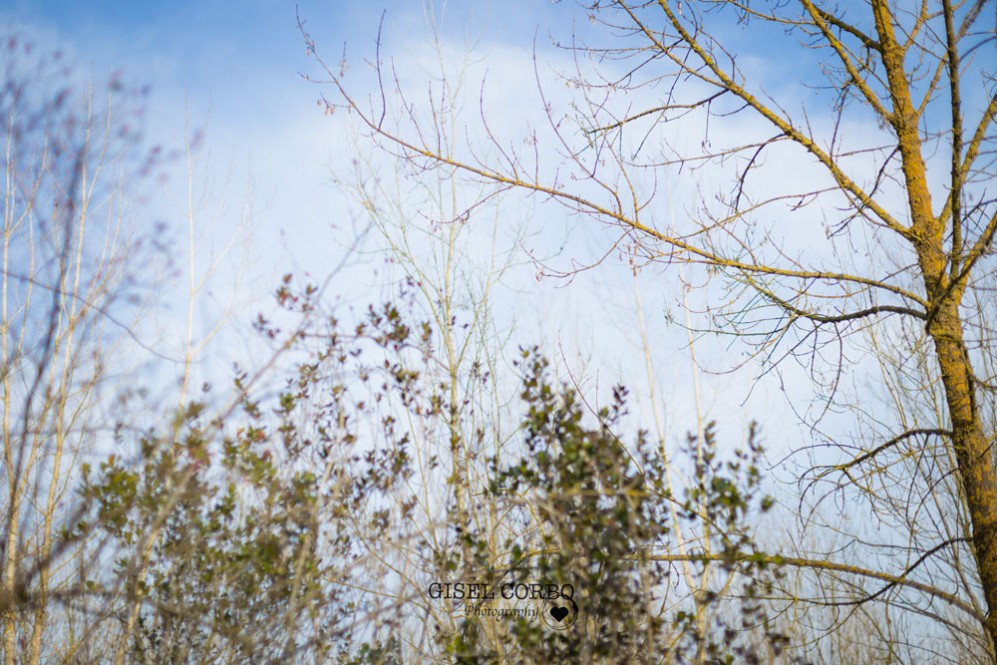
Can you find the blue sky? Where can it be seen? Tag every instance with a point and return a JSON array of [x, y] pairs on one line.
[[238, 71], [235, 68], [280, 195]]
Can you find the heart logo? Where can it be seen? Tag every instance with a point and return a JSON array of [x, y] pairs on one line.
[[559, 613]]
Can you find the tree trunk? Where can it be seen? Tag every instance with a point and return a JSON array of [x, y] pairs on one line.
[[974, 452], [974, 455]]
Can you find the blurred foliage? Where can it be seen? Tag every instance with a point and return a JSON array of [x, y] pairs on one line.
[[245, 535]]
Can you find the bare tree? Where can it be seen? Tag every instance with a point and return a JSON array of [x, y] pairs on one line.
[[67, 257], [886, 225]]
